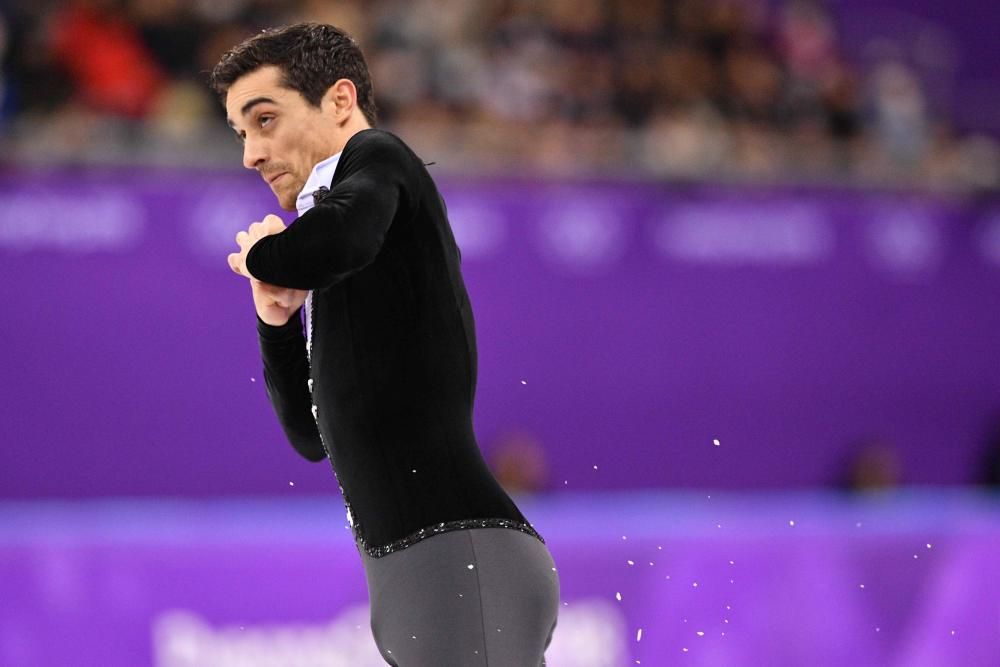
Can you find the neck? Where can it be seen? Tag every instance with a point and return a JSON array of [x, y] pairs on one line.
[[356, 123]]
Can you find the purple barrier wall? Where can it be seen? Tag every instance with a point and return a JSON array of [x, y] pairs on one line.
[[741, 581], [628, 326]]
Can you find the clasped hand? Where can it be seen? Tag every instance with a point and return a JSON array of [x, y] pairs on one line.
[[275, 305]]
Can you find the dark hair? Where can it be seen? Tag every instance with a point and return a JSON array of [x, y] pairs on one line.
[[312, 57]]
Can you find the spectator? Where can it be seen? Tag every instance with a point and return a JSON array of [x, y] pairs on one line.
[[695, 89], [518, 461], [112, 70], [874, 466]]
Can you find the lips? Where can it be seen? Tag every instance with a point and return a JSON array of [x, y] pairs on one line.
[[272, 179]]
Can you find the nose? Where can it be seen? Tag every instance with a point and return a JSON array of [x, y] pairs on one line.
[[254, 153]]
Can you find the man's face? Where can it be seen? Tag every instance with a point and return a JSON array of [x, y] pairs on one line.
[[283, 135]]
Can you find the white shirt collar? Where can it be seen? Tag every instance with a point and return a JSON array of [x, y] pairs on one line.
[[321, 176]]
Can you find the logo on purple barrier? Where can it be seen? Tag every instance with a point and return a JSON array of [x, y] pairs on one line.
[[591, 633], [905, 242], [95, 220], [582, 236], [480, 229], [746, 233]]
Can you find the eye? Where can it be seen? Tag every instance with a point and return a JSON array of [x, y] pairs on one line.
[[264, 120]]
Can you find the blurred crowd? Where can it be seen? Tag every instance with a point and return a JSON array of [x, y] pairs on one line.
[[733, 90]]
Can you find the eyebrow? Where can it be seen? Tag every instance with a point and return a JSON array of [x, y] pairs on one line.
[[250, 105]]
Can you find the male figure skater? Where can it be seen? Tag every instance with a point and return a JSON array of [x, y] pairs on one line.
[[381, 379]]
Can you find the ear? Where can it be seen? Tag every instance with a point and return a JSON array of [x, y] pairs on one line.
[[340, 99]]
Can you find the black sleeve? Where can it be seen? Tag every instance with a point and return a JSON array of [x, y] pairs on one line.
[[344, 232], [286, 376]]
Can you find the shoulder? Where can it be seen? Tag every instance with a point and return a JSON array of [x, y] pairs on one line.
[[380, 160], [375, 144]]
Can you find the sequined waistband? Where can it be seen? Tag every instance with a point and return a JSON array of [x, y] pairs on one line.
[[438, 528]]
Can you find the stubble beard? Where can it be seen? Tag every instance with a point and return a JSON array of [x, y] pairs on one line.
[[287, 196]]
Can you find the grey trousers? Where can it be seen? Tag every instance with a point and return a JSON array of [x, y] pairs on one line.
[[465, 598]]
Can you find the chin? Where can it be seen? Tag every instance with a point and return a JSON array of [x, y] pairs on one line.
[[286, 200]]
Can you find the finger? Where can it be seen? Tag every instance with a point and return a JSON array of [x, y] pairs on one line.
[[273, 224], [256, 231], [242, 238], [234, 262]]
